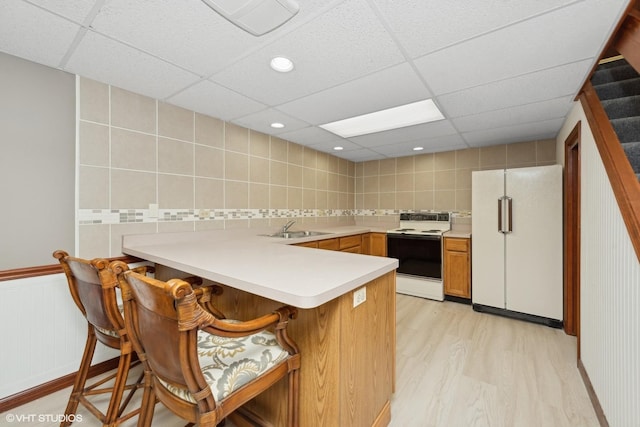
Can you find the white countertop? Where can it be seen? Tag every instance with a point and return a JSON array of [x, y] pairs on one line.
[[459, 231], [265, 266]]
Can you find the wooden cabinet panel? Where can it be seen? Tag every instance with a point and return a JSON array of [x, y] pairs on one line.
[[330, 244], [457, 245], [377, 244], [367, 243], [313, 244], [457, 267], [353, 250], [350, 241], [347, 373]]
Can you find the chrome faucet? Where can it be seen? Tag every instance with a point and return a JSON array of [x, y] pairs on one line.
[[288, 225]]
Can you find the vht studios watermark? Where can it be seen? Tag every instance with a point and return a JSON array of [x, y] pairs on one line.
[[43, 418]]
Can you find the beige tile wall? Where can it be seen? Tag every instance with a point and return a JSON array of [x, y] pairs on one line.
[[135, 151], [440, 181]]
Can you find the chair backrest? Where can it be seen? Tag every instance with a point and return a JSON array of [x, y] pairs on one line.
[[92, 286], [152, 318]]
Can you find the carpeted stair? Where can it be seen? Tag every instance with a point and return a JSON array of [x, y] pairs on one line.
[[618, 87]]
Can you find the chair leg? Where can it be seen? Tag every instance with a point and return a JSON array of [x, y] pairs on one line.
[[294, 401], [81, 377], [148, 401], [113, 411]]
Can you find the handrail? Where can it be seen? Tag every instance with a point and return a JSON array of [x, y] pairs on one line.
[[46, 270], [624, 182]]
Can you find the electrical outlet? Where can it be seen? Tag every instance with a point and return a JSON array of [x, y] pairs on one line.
[[359, 296]]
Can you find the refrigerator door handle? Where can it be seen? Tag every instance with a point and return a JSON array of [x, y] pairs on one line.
[[504, 215], [509, 215]]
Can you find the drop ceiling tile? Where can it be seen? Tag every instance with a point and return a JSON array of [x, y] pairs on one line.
[[360, 155], [31, 33], [340, 45], [261, 121], [517, 49], [539, 86], [310, 136], [409, 133], [188, 34], [108, 61], [388, 88], [425, 26], [446, 143], [77, 11], [328, 146], [525, 132], [538, 111], [214, 100]]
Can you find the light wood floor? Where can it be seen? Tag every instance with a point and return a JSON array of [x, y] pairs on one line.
[[455, 368]]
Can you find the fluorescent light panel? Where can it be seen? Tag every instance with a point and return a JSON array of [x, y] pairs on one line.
[[391, 118]]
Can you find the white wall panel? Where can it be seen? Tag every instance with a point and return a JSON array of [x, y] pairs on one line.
[[43, 334], [610, 289]]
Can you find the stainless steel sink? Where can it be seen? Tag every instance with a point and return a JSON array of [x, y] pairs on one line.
[[296, 234]]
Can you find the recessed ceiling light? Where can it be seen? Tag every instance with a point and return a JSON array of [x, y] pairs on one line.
[[281, 64], [338, 148], [277, 125], [392, 118], [418, 148]]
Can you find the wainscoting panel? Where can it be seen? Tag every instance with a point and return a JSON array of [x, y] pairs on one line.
[[610, 297], [43, 333]]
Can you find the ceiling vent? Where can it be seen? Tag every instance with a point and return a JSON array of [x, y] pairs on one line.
[[257, 17]]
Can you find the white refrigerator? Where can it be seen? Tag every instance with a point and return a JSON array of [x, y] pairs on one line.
[[517, 256]]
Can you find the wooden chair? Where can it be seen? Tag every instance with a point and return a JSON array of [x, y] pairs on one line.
[[93, 288], [200, 366]]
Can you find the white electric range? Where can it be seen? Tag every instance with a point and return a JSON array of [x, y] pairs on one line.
[[417, 244]]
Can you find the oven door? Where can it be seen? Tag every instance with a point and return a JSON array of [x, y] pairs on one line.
[[417, 255]]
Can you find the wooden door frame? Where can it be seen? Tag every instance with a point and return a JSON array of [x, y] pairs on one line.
[[572, 234]]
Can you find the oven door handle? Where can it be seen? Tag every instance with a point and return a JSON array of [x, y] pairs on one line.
[[412, 236]]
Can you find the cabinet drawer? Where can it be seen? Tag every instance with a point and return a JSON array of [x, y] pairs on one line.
[[350, 241], [330, 244], [353, 250], [313, 244], [456, 244]]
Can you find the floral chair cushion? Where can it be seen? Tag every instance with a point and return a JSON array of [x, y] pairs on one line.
[[229, 363]]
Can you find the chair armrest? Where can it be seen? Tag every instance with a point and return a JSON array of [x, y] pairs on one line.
[[278, 319], [204, 293]]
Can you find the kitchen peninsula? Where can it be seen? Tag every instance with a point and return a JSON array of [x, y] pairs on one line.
[[347, 375]]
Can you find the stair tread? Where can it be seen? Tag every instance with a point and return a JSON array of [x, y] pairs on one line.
[[619, 89], [622, 107], [613, 64], [632, 150], [627, 128], [621, 72]]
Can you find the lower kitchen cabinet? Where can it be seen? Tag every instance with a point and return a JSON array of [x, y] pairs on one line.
[[329, 244], [367, 243], [351, 244], [377, 244], [457, 267]]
